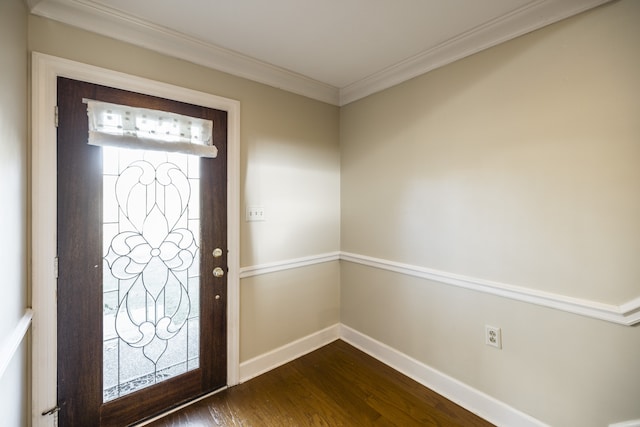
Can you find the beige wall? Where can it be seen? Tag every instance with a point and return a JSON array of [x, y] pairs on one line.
[[13, 193], [289, 165], [303, 309], [517, 165]]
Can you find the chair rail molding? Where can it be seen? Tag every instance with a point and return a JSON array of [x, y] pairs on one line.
[[627, 314], [11, 344], [273, 267], [632, 423]]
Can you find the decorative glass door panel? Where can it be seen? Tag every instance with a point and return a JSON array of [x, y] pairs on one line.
[[151, 277], [141, 320]]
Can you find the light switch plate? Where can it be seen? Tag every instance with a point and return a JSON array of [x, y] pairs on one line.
[[255, 213]]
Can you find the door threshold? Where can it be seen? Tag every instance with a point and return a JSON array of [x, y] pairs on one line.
[[179, 407]]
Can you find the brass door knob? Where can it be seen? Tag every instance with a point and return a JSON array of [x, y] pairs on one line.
[[218, 272]]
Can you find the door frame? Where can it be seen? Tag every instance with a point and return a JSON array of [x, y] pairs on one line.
[[45, 71]]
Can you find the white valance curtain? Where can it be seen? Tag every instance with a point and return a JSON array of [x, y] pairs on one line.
[[115, 125]]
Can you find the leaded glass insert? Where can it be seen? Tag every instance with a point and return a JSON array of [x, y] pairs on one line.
[[151, 239]]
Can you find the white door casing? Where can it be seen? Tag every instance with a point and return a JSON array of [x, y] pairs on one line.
[[45, 71]]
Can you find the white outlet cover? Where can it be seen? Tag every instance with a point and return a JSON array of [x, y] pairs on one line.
[[493, 336]]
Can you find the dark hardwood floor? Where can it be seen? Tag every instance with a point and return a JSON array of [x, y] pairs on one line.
[[336, 385]]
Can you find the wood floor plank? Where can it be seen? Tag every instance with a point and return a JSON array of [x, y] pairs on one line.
[[336, 385]]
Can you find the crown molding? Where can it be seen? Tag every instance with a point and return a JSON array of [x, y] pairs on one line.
[[111, 23], [31, 4], [530, 17]]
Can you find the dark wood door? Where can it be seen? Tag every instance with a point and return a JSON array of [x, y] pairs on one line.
[[123, 296]]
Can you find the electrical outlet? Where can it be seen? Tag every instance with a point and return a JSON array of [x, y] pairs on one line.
[[492, 336], [255, 213]]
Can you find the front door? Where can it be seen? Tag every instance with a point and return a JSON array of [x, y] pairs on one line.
[[141, 316]]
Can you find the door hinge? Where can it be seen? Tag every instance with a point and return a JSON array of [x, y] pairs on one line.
[[55, 115], [55, 267], [53, 411]]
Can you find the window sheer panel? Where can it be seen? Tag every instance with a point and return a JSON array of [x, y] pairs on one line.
[[114, 125]]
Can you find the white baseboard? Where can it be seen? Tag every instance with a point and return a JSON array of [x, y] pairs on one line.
[[271, 360], [469, 398]]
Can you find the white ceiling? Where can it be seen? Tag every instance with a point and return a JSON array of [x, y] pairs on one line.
[[336, 51]]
